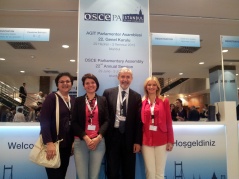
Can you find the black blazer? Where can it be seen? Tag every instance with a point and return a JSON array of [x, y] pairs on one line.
[[133, 124], [22, 91], [79, 116]]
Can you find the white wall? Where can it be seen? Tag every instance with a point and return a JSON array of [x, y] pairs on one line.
[[32, 82]]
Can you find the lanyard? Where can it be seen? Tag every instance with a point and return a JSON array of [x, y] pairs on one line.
[[152, 110], [90, 109], [69, 99]]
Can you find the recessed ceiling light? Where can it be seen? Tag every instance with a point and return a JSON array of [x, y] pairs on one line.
[[237, 74], [32, 56], [201, 63], [72, 60], [180, 73], [65, 46], [22, 71], [2, 59], [224, 51]]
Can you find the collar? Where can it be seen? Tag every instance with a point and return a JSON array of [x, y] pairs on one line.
[[120, 90]]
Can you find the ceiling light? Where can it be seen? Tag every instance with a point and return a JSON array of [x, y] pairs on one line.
[[65, 46], [72, 60], [32, 56], [237, 74], [224, 51], [201, 63], [22, 71], [2, 59], [180, 73]]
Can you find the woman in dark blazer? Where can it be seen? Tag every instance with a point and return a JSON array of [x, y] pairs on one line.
[[89, 124], [64, 82]]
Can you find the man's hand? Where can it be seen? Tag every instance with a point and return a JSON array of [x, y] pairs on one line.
[[137, 148]]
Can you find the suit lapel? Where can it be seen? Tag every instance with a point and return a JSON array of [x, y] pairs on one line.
[[114, 98], [129, 101]]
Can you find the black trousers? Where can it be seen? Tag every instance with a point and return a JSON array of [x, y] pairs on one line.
[[23, 101], [120, 157], [60, 173]]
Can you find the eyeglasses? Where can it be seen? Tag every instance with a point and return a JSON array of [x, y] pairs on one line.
[[62, 82]]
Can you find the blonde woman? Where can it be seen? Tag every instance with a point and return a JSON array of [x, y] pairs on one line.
[[158, 137]]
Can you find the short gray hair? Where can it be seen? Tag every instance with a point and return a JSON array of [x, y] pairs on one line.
[[125, 69]]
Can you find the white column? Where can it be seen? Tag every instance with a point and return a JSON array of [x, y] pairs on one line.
[[227, 110]]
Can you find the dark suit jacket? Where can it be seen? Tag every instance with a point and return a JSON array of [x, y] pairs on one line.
[[22, 92], [194, 115], [133, 124], [79, 116]]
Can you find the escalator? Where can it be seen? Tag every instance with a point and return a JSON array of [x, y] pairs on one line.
[[170, 83], [9, 97]]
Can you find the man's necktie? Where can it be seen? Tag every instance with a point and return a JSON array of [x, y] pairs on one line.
[[123, 107], [124, 103]]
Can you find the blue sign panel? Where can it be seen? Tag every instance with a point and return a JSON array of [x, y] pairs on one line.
[[110, 40], [230, 41], [183, 40], [24, 34]]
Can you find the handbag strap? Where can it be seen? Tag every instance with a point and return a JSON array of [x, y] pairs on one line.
[[57, 115], [217, 108]]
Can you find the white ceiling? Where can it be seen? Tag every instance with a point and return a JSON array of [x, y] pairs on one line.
[[207, 18]]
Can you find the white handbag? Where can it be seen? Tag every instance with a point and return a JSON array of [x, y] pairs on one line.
[[38, 153]]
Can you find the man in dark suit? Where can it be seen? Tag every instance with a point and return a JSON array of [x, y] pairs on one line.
[[124, 135], [193, 114], [23, 93]]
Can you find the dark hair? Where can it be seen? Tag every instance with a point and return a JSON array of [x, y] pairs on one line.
[[172, 105], [179, 100], [90, 76], [64, 74], [19, 110]]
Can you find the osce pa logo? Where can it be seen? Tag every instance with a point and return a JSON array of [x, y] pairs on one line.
[[97, 16], [135, 18]]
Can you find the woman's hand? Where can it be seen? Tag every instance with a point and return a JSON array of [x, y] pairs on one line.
[[89, 142], [169, 147], [72, 149], [96, 141], [50, 150]]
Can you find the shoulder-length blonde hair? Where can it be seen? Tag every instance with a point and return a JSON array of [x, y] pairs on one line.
[[158, 91]]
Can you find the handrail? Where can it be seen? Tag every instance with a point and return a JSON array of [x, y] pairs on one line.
[[167, 81], [13, 93]]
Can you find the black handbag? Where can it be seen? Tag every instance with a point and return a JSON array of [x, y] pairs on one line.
[[218, 115]]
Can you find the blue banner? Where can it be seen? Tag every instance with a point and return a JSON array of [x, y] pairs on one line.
[[195, 146], [183, 40]]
